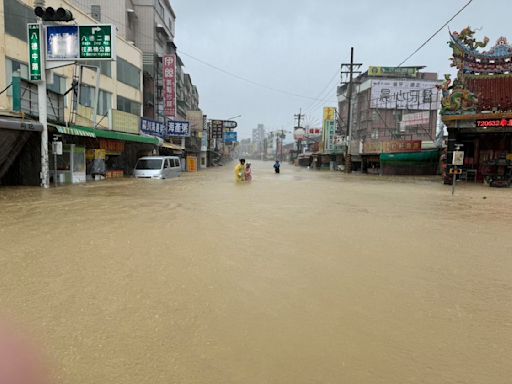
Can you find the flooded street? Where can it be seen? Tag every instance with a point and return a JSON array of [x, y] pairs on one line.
[[303, 277]]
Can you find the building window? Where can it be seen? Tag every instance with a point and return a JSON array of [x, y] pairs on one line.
[[96, 12], [86, 95], [104, 102], [12, 66], [128, 73], [87, 99], [127, 105], [58, 85], [19, 15], [105, 66]]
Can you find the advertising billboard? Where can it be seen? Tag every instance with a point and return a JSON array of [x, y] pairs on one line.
[[178, 128], [415, 119], [169, 79], [374, 71], [393, 146], [405, 94], [217, 129], [153, 128], [329, 128]]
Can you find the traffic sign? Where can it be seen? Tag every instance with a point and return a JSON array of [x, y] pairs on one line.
[[458, 158], [96, 42], [230, 137], [34, 51], [83, 42]]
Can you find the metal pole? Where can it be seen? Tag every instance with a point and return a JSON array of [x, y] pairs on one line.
[[96, 97], [281, 143], [55, 167], [43, 118], [348, 165], [454, 179]]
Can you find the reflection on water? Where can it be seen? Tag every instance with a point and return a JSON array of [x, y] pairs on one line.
[[302, 277]]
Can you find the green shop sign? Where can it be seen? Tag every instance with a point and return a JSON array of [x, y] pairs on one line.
[[34, 51]]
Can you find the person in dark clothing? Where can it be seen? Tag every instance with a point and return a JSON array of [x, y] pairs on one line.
[[277, 166]]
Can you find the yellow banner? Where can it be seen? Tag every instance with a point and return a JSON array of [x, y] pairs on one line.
[[329, 114]]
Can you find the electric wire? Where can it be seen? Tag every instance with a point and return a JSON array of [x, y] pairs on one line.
[[435, 33]]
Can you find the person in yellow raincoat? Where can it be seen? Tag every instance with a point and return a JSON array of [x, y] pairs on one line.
[[240, 171]]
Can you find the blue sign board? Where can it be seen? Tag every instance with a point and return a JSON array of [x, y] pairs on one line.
[[153, 128], [178, 128], [62, 42], [230, 137]]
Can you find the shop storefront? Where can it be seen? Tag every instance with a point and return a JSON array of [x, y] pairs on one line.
[[20, 151], [400, 157], [487, 147], [476, 109], [104, 154]]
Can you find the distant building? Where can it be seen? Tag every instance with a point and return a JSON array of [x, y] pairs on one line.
[[245, 147], [258, 139], [391, 108]]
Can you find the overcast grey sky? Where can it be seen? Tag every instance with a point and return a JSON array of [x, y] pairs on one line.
[[298, 46]]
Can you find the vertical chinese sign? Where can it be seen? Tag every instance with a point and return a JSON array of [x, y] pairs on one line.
[[329, 128], [169, 68], [34, 51], [204, 140]]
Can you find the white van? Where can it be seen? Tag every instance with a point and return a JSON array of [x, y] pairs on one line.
[[157, 167]]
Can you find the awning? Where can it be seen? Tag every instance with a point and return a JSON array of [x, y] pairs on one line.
[[171, 146], [75, 131], [121, 136], [20, 124]]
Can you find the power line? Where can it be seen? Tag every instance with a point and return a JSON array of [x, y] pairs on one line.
[[226, 72], [321, 95], [435, 33], [247, 80]]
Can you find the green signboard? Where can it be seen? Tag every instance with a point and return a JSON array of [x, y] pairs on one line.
[[96, 42], [392, 71], [34, 51]]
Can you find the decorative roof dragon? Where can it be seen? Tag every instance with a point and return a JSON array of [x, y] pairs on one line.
[[479, 74]]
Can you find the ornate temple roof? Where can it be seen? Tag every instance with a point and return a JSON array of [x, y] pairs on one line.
[[484, 78], [468, 57]]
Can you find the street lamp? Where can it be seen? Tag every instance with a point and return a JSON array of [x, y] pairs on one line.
[[234, 117]]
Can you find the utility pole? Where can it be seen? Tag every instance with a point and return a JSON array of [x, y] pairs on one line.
[[42, 101], [299, 118], [348, 69]]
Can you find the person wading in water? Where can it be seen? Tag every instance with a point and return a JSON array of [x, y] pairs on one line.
[[277, 167], [240, 171]]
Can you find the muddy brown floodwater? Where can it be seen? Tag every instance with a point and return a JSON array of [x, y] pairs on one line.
[[303, 277]]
